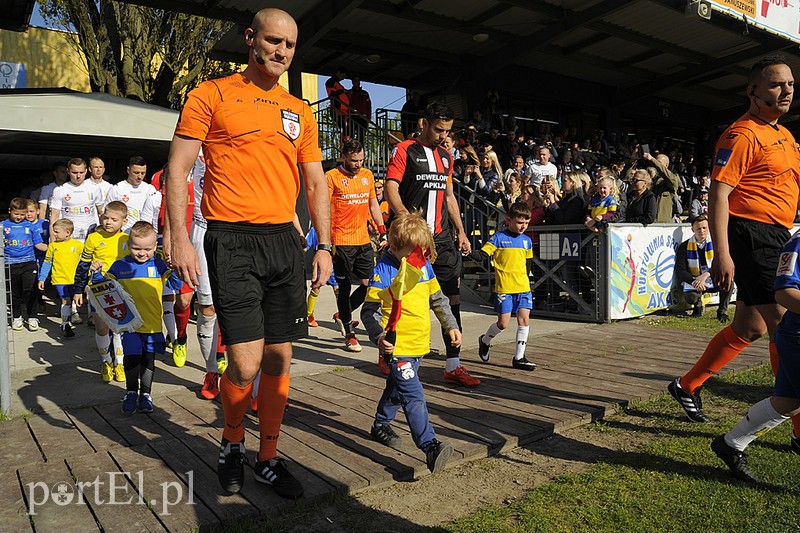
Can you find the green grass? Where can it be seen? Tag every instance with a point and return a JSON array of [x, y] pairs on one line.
[[672, 482], [707, 323]]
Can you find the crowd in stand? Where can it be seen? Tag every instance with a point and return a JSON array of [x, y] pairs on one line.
[[556, 174]]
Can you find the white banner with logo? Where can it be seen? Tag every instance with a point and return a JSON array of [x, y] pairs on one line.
[[13, 76], [781, 17]]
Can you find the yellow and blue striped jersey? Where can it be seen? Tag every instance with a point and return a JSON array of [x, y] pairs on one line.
[[510, 253], [414, 326], [144, 282], [63, 257]]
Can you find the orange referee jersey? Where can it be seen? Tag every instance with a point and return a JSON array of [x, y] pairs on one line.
[[350, 196], [762, 164], [252, 142]]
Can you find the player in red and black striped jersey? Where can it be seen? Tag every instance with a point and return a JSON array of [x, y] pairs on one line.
[[420, 177]]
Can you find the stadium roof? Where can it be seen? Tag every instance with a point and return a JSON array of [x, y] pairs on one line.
[[16, 14], [612, 53], [43, 122]]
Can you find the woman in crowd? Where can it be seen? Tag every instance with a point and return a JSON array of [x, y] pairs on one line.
[[642, 203], [489, 173], [571, 208]]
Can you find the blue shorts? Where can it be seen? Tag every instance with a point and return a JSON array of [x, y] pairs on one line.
[[65, 291], [511, 303], [140, 343], [787, 379]]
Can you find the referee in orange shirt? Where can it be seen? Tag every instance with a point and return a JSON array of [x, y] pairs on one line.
[[351, 189], [256, 139], [752, 206]]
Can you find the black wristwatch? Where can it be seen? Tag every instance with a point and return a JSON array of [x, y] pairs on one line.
[[326, 247]]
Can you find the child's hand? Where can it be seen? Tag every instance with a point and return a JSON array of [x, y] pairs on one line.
[[96, 266], [455, 338], [78, 299], [385, 348], [41, 286], [598, 218]]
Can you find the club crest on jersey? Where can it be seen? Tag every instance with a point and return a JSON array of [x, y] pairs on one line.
[[291, 123], [364, 182], [446, 162], [786, 263], [126, 198], [67, 197], [345, 182]]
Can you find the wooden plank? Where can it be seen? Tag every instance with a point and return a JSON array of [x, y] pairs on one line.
[[17, 445], [57, 436], [149, 475], [185, 463], [338, 476], [177, 420], [465, 445], [400, 466], [449, 418], [108, 484], [48, 483], [95, 429], [13, 512], [374, 474], [136, 428]]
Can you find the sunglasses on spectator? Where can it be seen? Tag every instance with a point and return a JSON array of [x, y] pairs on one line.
[[637, 180]]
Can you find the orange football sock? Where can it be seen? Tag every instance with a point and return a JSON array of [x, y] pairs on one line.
[[774, 361], [722, 349], [235, 401], [273, 393]]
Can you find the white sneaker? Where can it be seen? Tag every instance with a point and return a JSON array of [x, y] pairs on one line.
[[17, 324], [33, 324]]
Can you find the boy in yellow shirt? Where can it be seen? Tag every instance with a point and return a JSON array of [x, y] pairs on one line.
[[143, 276], [61, 262], [402, 291], [101, 249]]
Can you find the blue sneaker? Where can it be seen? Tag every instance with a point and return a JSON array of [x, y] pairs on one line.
[[145, 403], [129, 403]]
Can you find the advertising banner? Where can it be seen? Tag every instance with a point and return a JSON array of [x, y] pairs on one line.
[[781, 17], [13, 76]]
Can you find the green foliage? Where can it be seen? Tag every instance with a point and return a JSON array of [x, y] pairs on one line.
[[138, 52]]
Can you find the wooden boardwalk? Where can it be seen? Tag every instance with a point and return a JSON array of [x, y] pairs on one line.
[[157, 472]]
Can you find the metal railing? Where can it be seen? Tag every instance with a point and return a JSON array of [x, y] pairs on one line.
[[570, 263], [5, 341], [377, 136]]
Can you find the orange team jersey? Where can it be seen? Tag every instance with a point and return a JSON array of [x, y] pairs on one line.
[[350, 197], [252, 142], [762, 164], [156, 182]]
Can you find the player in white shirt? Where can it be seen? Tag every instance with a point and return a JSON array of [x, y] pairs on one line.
[[78, 200], [135, 193], [97, 169], [60, 175]]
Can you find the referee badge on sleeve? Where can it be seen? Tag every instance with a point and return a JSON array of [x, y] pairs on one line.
[[291, 123], [786, 264]]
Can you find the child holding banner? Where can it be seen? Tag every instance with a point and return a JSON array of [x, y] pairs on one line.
[[60, 262], [396, 313], [143, 276], [100, 250]]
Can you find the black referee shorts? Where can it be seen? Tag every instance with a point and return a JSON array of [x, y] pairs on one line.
[[257, 281], [755, 249]]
